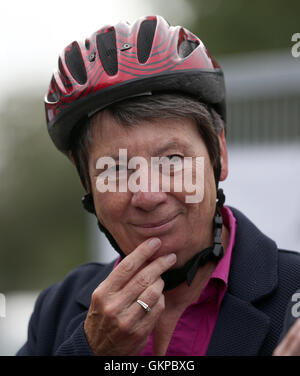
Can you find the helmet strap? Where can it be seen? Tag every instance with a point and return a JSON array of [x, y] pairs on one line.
[[187, 272]]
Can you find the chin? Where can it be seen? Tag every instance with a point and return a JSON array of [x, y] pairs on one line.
[[168, 246]]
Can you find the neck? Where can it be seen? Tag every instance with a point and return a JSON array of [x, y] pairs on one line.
[[183, 295]]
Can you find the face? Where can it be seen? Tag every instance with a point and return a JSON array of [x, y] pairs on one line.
[[132, 217]]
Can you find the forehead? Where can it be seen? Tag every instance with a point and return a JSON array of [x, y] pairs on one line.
[[109, 136]]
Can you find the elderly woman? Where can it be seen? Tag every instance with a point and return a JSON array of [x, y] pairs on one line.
[[194, 277]]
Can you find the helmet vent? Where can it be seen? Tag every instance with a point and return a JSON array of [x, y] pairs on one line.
[[145, 39], [87, 44], [75, 64], [65, 79], [186, 47], [52, 97], [106, 45]]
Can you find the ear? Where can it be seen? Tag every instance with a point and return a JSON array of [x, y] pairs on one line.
[[223, 155]]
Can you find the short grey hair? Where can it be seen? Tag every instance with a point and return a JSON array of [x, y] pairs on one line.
[[148, 108]]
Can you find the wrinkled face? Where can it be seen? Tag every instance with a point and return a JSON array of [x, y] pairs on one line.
[[132, 217]]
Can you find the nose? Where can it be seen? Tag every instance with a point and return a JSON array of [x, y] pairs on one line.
[[148, 201], [148, 197]]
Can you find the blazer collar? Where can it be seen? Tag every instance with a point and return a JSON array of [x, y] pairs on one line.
[[241, 327], [254, 265]]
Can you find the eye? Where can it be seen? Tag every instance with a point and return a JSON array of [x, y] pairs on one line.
[[171, 164], [174, 158]]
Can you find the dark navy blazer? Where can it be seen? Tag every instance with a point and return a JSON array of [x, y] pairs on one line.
[[262, 279]]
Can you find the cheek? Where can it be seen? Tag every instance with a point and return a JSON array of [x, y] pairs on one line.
[[110, 207], [197, 185], [210, 188], [203, 211]]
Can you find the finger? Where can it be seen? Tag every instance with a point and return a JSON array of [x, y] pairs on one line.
[[281, 349], [147, 276], [136, 316], [294, 349], [131, 264], [290, 345], [149, 319], [152, 294], [141, 324], [287, 348], [283, 346]]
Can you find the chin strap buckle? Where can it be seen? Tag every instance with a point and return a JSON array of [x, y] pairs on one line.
[[218, 250]]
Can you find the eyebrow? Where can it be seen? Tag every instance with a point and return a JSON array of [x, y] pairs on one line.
[[171, 145]]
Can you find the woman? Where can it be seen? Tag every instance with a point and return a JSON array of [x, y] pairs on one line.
[[194, 277], [155, 230]]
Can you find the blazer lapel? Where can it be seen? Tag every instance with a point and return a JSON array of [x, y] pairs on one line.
[[241, 327]]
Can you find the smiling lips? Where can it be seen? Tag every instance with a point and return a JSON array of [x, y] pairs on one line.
[[161, 225]]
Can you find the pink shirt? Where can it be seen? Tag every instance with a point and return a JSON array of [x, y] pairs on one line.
[[194, 329]]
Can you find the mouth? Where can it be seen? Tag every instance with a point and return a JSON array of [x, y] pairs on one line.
[[156, 228]]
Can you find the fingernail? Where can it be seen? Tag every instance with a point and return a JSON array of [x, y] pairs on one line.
[[154, 243], [171, 259]]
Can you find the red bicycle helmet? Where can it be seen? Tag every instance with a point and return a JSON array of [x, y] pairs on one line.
[[122, 61]]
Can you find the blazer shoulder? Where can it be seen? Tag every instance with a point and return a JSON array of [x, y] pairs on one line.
[[84, 273], [289, 267], [61, 296], [81, 276], [56, 307], [290, 257]]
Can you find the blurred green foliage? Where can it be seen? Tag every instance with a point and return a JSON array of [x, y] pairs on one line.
[[42, 224], [236, 26]]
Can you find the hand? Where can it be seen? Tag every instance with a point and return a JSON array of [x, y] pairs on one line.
[[116, 324], [290, 345]]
